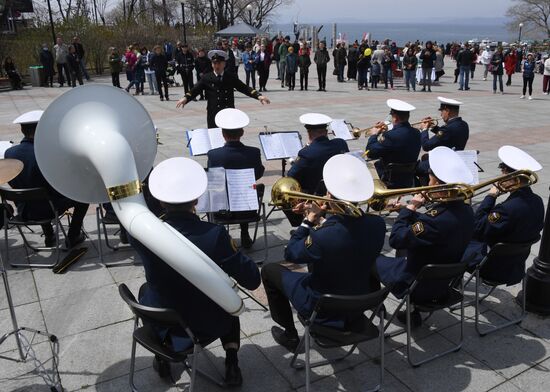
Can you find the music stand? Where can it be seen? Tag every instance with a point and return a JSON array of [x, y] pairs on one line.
[[9, 169]]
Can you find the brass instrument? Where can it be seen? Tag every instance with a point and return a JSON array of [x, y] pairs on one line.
[[526, 178], [356, 132], [287, 192], [433, 193]]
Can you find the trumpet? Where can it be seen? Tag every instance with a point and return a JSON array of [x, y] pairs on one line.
[[434, 193], [356, 132], [287, 192], [524, 177]]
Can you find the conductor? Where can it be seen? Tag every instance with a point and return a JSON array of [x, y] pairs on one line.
[[219, 87]]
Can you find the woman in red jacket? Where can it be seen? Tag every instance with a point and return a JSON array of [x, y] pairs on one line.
[[510, 65]]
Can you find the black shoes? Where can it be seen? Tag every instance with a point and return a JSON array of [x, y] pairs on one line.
[[416, 318], [72, 242], [49, 241], [233, 376], [246, 241], [123, 237], [288, 341], [162, 367]]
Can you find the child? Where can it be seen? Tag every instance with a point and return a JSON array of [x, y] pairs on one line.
[[375, 74]]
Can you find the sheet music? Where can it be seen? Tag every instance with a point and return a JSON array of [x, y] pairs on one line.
[[341, 130], [241, 188], [291, 142], [470, 158], [4, 145], [215, 197], [204, 140]]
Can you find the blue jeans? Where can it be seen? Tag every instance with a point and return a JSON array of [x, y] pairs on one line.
[[362, 77], [410, 78], [495, 76], [464, 76], [152, 80], [388, 77], [83, 69], [341, 72]]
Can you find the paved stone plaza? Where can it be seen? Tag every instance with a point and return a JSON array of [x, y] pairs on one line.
[[84, 310]]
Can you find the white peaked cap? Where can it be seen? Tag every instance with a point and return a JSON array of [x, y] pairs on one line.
[[449, 101], [347, 178], [315, 119], [29, 117], [518, 159], [178, 180], [400, 106], [232, 119], [448, 166], [217, 53]]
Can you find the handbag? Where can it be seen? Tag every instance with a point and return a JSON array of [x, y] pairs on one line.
[[335, 72], [491, 67]]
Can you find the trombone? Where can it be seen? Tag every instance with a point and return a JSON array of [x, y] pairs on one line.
[[356, 132], [525, 178], [434, 193], [287, 192]]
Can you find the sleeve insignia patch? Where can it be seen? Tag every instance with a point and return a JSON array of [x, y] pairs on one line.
[[494, 217], [418, 228], [309, 241], [433, 212], [381, 138], [440, 134]]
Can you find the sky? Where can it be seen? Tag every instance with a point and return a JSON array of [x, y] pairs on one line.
[[311, 11]]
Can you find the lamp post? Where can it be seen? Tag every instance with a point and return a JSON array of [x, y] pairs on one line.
[[519, 37], [51, 22], [249, 9], [183, 21]]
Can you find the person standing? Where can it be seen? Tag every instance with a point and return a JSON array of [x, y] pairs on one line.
[[159, 64], [546, 77], [220, 87], [80, 52], [61, 52], [115, 65], [353, 56], [202, 66], [510, 61], [185, 63], [283, 51], [141, 65], [249, 61], [74, 66], [237, 55], [321, 59], [363, 65], [341, 58], [464, 61], [387, 68], [375, 73], [131, 63], [410, 62], [47, 62], [150, 75], [304, 62], [263, 62], [168, 50], [496, 64], [439, 64], [427, 55], [276, 56], [528, 68], [291, 63], [486, 60]]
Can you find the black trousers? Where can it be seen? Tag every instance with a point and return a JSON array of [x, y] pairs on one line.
[[263, 74], [322, 76], [528, 82], [115, 77], [79, 213], [76, 75], [187, 79], [279, 305], [234, 333], [162, 81], [63, 68], [304, 72], [48, 76], [291, 79]]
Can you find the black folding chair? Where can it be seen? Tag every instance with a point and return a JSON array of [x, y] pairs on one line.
[[147, 338], [28, 196], [255, 217], [391, 169], [497, 252], [326, 336], [102, 224], [444, 274]]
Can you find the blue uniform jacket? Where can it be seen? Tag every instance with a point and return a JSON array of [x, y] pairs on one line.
[[30, 177], [438, 236], [169, 289], [399, 145], [520, 218], [342, 252], [235, 155], [308, 168], [454, 135]]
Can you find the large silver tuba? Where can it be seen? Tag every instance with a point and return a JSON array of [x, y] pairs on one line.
[[96, 144]]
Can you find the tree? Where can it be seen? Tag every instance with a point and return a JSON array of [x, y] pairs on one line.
[[534, 15]]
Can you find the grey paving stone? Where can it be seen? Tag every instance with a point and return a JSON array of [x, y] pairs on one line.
[[535, 379], [22, 288], [28, 315]]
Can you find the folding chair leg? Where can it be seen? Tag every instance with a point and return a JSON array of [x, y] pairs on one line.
[[381, 340], [248, 295], [27, 245], [132, 366], [99, 245], [308, 368], [503, 325]]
